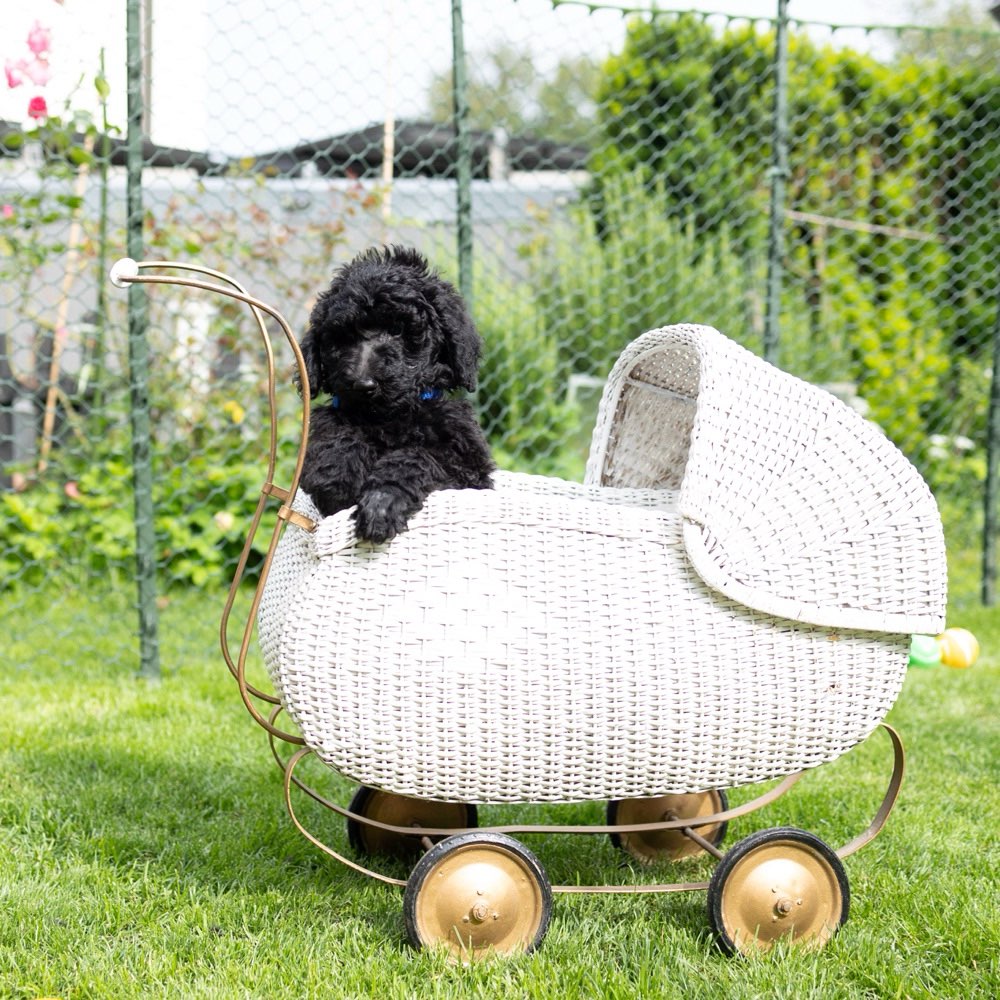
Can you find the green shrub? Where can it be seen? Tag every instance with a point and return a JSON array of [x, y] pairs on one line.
[[523, 381], [78, 515], [598, 292]]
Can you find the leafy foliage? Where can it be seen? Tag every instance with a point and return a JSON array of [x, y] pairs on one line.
[[598, 293], [79, 516], [691, 111], [524, 406], [663, 110]]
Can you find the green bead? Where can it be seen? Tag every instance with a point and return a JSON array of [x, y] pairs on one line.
[[925, 651]]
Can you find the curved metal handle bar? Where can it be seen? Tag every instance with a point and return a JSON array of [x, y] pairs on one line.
[[888, 800], [257, 306], [354, 866], [231, 600], [272, 737], [272, 457]]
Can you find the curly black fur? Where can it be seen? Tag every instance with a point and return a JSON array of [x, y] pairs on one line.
[[386, 341]]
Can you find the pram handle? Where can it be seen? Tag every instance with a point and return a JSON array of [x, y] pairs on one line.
[[127, 271]]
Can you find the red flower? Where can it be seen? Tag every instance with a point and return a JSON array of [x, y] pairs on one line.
[[37, 108]]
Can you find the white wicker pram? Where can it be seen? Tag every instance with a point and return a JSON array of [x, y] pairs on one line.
[[729, 598], [732, 600]]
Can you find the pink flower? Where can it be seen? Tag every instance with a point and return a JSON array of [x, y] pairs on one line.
[[7, 211], [72, 490], [37, 108], [39, 39], [37, 72], [14, 73]]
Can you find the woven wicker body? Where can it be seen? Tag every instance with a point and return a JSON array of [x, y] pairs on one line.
[[728, 599]]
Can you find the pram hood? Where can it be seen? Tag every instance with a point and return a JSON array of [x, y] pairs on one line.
[[793, 504]]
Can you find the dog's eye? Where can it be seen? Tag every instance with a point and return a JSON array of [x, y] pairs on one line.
[[387, 350]]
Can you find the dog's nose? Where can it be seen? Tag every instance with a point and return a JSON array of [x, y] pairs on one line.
[[365, 384]]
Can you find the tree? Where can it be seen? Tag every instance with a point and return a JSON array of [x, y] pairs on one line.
[[963, 162], [666, 114], [970, 35], [693, 109], [507, 90], [890, 199]]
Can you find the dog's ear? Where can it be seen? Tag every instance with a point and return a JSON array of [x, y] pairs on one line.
[[467, 349], [462, 346], [311, 369], [311, 346]]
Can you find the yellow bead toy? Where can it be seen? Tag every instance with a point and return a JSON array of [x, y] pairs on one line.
[[959, 647]]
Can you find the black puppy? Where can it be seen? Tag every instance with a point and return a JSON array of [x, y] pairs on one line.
[[388, 340]]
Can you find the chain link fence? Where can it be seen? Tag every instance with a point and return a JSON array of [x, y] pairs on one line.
[[827, 196]]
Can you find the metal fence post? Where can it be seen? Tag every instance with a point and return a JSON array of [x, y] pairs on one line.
[[779, 174], [138, 354], [464, 151], [99, 346], [991, 497]]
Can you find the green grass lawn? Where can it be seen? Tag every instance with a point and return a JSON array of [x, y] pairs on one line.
[[145, 852]]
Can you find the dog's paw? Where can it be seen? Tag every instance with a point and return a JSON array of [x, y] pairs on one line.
[[381, 514]]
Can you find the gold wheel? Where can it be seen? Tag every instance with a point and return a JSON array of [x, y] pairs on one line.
[[667, 845], [775, 884], [401, 810], [478, 893]]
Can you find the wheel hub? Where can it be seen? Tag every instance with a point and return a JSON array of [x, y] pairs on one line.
[[670, 844], [782, 889], [480, 912]]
